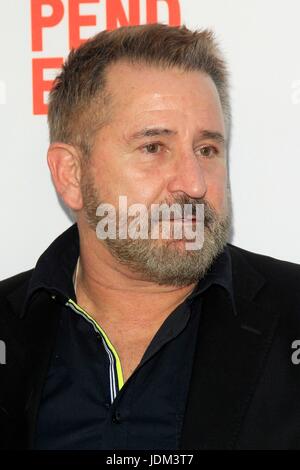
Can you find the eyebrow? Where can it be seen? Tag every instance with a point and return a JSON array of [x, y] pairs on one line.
[[161, 131], [151, 132], [213, 135]]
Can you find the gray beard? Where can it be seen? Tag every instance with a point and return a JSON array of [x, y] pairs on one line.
[[161, 261]]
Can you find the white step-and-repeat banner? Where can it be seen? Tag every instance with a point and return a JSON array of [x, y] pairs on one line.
[[261, 41]]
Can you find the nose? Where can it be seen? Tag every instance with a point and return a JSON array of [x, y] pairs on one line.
[[188, 176]]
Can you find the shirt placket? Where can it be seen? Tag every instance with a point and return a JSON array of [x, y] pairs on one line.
[[116, 380]]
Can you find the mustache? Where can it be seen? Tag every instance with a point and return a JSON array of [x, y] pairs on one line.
[[210, 214]]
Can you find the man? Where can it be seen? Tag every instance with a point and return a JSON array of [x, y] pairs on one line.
[[118, 342]]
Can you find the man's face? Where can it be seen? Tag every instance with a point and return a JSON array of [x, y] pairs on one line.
[[164, 142]]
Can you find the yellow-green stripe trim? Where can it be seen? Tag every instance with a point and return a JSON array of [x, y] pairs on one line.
[[109, 344]]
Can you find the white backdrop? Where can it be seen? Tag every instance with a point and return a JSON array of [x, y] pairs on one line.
[[261, 41]]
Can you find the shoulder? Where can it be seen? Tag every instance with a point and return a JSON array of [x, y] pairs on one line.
[[281, 278], [13, 283], [266, 264], [13, 291]]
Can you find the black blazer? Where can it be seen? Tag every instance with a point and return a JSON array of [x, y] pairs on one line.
[[245, 388]]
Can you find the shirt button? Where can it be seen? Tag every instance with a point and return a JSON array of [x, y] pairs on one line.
[[116, 419]]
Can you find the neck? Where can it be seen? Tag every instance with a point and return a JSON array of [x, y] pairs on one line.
[[107, 289]]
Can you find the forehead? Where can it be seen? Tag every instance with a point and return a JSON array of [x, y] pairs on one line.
[[138, 79], [153, 92]]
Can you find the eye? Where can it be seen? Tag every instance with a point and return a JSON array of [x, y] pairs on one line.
[[152, 148], [208, 151]]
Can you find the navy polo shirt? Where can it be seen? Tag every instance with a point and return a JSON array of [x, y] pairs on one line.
[[85, 404]]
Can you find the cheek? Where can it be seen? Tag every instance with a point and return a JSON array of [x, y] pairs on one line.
[[120, 177], [144, 185]]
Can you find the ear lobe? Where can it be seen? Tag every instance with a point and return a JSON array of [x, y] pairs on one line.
[[64, 164]]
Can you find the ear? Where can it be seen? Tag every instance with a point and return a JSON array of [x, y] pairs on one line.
[[65, 166]]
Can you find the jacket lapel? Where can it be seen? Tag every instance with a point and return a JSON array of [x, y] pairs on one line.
[[42, 324], [38, 327], [230, 354]]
